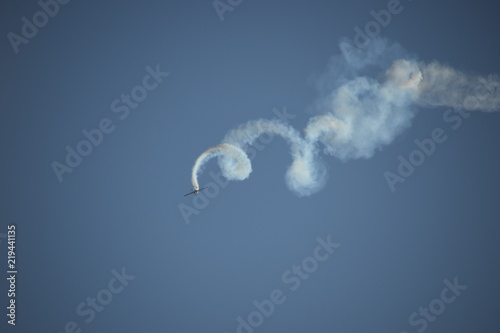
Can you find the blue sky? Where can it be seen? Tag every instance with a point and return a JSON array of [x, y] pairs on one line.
[[113, 228]]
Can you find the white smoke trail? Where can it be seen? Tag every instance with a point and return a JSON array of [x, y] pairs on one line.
[[233, 161], [357, 114], [304, 176], [445, 86]]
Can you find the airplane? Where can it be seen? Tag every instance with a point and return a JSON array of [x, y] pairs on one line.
[[195, 191]]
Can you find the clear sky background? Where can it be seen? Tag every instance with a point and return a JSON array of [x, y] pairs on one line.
[[121, 207]]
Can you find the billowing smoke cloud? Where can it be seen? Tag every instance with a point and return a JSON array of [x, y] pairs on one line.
[[364, 104]]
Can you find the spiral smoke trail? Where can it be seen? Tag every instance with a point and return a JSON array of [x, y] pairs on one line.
[[357, 114], [233, 161]]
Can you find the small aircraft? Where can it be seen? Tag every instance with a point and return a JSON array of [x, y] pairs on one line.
[[195, 191]]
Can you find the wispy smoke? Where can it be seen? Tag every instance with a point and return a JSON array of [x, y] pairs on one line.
[[445, 86], [364, 104]]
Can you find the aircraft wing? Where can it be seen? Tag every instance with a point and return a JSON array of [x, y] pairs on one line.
[[195, 191]]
